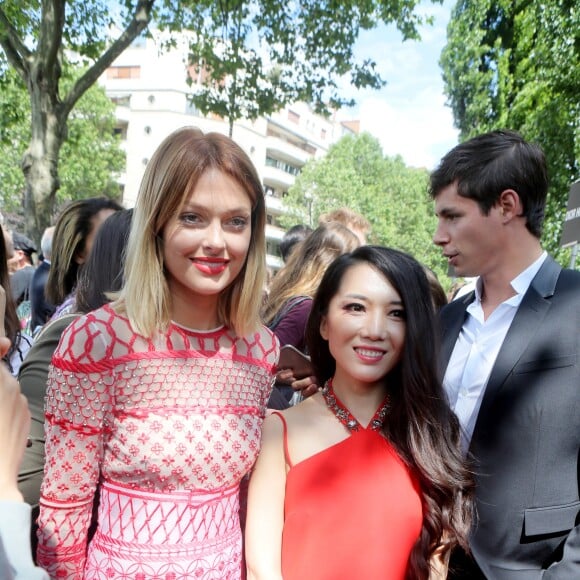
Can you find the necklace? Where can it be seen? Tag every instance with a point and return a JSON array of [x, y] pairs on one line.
[[346, 417]]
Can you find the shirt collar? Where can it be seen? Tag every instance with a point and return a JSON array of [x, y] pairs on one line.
[[521, 282]]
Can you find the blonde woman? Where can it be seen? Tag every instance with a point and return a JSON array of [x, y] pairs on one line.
[[156, 401], [290, 297]]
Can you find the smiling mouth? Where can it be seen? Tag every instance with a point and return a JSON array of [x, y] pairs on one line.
[[210, 266], [369, 353]]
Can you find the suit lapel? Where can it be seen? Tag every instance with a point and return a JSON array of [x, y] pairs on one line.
[[531, 312]]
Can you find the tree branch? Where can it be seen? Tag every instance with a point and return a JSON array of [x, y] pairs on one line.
[[50, 37], [16, 51], [139, 22]]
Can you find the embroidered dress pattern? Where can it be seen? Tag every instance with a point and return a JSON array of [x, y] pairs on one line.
[[174, 424]]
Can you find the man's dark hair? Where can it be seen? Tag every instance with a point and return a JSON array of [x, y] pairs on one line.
[[292, 237], [485, 166], [21, 242]]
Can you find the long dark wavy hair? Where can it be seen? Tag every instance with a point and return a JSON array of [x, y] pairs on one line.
[[420, 424], [102, 274], [11, 322]]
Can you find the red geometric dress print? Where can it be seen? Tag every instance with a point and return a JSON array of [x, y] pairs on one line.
[[163, 430]]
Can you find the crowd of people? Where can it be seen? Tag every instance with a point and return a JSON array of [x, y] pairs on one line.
[[165, 412]]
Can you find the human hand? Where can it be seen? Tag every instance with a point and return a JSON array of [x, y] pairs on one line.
[[307, 386], [14, 429], [285, 376]]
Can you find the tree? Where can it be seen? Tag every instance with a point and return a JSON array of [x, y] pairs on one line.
[[517, 65], [37, 39], [393, 197], [91, 157], [263, 53], [252, 58]]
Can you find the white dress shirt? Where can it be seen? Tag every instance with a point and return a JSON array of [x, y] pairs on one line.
[[476, 350]]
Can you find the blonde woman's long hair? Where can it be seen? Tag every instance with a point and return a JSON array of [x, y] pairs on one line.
[[306, 265], [170, 177]]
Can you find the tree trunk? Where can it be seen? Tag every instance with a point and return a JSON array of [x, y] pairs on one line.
[[40, 160]]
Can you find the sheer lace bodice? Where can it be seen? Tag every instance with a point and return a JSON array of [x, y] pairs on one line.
[[172, 417]]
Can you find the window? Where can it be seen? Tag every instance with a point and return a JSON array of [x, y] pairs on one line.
[[124, 72], [294, 117], [282, 165], [123, 101]]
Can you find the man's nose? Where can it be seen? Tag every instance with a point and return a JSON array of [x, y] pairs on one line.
[[440, 237]]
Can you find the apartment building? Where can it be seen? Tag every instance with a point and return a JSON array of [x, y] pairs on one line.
[[148, 86]]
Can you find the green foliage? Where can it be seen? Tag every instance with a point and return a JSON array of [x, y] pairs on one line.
[[517, 65], [37, 41], [14, 137], [91, 156], [259, 55], [393, 197]]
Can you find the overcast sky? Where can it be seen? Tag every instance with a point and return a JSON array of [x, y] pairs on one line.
[[409, 115]]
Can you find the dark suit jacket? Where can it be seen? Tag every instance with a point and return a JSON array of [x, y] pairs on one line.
[[42, 310], [526, 440]]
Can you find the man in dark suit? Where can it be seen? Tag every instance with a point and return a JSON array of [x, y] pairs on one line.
[[511, 360], [41, 308]]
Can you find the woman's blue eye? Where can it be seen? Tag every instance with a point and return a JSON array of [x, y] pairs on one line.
[[189, 218], [239, 222]]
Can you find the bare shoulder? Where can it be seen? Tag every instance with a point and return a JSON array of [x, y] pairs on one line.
[[306, 413], [311, 428]]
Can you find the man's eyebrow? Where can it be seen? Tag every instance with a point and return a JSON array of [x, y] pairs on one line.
[[446, 211]]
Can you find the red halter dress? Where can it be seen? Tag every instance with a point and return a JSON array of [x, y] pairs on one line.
[[352, 510]]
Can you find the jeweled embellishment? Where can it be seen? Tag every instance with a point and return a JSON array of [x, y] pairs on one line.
[[345, 416]]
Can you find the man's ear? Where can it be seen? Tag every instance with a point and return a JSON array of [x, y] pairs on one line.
[[510, 204], [324, 328]]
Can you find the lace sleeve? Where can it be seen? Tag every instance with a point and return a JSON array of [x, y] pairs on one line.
[[78, 403]]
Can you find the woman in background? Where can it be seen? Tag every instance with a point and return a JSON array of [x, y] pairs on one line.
[[73, 238], [20, 342], [364, 479], [290, 298], [156, 400]]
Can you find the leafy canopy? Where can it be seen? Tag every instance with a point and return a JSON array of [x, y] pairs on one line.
[[251, 58], [393, 197], [517, 65]]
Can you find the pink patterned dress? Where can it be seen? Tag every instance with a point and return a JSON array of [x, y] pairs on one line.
[[163, 430]]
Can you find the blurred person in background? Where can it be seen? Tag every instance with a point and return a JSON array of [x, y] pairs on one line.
[[290, 299], [355, 222], [291, 238], [40, 308], [11, 328], [74, 232], [22, 268]]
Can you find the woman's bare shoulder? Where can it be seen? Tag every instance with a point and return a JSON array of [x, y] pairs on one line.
[[307, 412]]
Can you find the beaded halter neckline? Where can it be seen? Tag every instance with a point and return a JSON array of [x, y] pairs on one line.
[[346, 417]]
